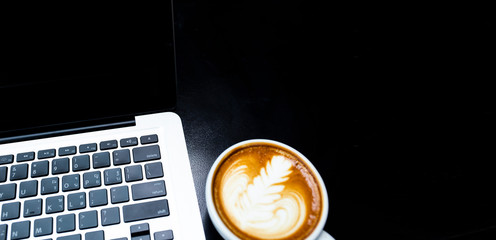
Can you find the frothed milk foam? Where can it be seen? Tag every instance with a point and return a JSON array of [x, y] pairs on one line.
[[264, 192]]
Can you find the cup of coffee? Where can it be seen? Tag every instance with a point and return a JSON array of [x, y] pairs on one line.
[[263, 189]]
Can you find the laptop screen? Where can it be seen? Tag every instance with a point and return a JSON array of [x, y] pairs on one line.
[[77, 64]]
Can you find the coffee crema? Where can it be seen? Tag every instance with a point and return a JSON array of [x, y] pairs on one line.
[[265, 192]]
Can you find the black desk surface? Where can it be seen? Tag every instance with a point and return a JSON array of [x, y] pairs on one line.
[[394, 108]]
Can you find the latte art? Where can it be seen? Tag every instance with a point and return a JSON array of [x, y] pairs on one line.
[[261, 206], [263, 192]]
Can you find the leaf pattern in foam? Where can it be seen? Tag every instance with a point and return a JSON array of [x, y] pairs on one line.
[[259, 206], [264, 190]]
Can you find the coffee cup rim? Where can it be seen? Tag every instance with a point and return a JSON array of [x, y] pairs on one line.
[[214, 216]]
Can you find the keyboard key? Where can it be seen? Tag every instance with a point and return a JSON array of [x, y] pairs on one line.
[[70, 182], [32, 207], [76, 201], [145, 210], [119, 194], [60, 165], [110, 144], [126, 142], [121, 157], [140, 229], [54, 204], [6, 159], [20, 230], [3, 231], [80, 163], [10, 210], [39, 169], [7, 191], [149, 139], [48, 153], [89, 147], [3, 174], [88, 220], [133, 173], [141, 154], [65, 151], [49, 185], [148, 190], [43, 226], [164, 235], [66, 223], [112, 176], [110, 216], [28, 189], [96, 235], [19, 171], [154, 170], [70, 237], [27, 156], [92, 179], [101, 159], [98, 197]]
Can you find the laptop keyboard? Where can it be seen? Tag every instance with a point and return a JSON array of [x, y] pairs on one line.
[[41, 192]]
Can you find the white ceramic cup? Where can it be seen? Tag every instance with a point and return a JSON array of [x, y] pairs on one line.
[[317, 234]]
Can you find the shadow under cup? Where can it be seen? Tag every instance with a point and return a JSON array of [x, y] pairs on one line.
[[263, 189]]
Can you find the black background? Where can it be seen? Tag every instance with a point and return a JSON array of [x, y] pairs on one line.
[[392, 103]]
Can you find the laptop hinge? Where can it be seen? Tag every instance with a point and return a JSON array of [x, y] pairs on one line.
[[66, 129]]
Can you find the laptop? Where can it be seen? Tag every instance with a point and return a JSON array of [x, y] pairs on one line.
[[90, 147]]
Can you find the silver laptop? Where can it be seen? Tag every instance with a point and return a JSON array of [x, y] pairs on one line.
[[89, 145]]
